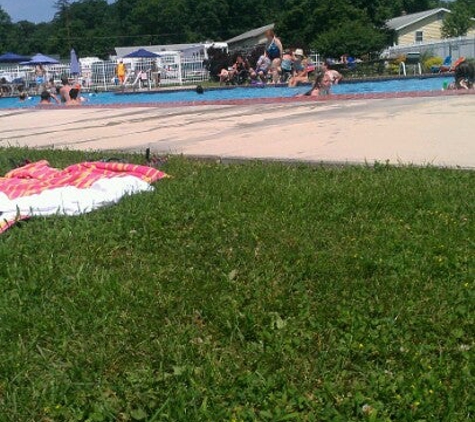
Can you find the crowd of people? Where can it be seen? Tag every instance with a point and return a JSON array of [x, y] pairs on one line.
[[68, 93], [276, 65]]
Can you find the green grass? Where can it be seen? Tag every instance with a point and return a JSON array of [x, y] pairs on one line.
[[245, 293]]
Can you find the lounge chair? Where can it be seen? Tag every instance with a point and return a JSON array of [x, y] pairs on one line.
[[444, 67]]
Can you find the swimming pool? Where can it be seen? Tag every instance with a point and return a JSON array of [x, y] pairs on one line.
[[239, 93]]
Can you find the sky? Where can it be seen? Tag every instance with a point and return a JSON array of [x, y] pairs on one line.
[[30, 10]]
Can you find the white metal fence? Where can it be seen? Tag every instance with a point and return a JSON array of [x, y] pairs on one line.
[[142, 74], [455, 47]]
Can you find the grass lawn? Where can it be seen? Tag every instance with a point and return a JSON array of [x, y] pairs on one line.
[[245, 293]]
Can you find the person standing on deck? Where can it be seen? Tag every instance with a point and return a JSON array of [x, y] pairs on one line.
[[121, 71], [274, 52]]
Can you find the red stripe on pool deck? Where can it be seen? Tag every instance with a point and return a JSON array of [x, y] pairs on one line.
[[279, 100]]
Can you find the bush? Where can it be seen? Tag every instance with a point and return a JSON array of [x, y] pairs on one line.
[[393, 69], [433, 61]]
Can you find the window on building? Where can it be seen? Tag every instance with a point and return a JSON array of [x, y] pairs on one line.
[[419, 36]]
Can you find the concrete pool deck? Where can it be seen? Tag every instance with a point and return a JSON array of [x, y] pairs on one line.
[[438, 131]]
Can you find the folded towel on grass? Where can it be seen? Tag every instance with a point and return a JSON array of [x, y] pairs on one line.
[[37, 189]]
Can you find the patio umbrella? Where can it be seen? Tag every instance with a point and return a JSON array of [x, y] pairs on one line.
[[12, 58], [141, 54], [40, 59], [75, 66]]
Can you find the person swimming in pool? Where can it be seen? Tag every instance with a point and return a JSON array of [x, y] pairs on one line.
[[65, 89], [320, 87], [74, 99], [45, 98], [334, 75]]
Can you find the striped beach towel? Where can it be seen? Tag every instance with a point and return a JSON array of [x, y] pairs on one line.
[[37, 189]]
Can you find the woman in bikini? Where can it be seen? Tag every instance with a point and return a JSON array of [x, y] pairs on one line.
[[274, 52]]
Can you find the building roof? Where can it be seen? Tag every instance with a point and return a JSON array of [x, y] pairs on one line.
[[251, 34], [123, 51], [402, 22]]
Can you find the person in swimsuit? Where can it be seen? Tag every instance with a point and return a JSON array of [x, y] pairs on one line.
[[287, 66], [40, 74], [274, 52], [274, 46], [334, 75], [45, 98], [51, 89], [64, 90], [320, 87], [464, 74], [74, 99], [300, 69]]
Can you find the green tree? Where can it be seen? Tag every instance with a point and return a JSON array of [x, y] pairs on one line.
[[5, 29], [355, 38], [94, 27], [459, 22], [207, 19], [161, 21], [83, 25], [333, 27], [123, 24]]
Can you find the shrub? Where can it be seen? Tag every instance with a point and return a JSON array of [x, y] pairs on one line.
[[433, 61]]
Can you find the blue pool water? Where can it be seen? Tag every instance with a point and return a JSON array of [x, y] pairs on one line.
[[401, 85]]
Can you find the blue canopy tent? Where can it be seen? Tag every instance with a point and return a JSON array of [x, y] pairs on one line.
[[12, 58], [12, 80], [141, 53], [38, 59]]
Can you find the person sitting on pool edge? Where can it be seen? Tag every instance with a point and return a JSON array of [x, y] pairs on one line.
[[286, 67], [262, 68], [300, 72], [241, 70]]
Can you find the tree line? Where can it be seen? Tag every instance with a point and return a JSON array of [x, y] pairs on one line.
[[333, 27]]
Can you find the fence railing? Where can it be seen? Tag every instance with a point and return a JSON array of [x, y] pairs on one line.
[[142, 74], [455, 47]]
